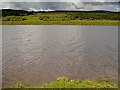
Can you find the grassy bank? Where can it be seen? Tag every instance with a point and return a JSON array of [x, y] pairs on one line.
[[65, 82], [62, 18], [72, 22]]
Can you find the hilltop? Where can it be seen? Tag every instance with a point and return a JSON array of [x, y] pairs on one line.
[[10, 12]]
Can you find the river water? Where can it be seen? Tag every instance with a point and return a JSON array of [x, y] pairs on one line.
[[39, 54]]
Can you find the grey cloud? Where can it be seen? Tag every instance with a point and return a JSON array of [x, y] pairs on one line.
[[62, 5], [60, 0]]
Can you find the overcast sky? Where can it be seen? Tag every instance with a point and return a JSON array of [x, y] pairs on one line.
[[111, 5]]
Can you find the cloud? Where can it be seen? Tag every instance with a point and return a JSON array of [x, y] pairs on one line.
[[102, 4], [78, 5], [60, 0]]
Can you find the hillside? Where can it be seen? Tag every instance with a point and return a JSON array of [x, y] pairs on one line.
[[97, 17]]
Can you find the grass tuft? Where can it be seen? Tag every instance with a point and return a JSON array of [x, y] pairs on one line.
[[65, 82]]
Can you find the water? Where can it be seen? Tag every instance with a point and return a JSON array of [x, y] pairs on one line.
[[39, 54]]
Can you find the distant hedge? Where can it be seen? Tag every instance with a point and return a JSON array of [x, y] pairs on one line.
[[13, 18]]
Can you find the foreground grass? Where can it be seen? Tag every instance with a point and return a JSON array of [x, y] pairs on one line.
[[65, 82]]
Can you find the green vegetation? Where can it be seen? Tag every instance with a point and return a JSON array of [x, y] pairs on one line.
[[13, 18], [75, 22], [59, 18], [10, 12], [65, 82], [66, 16]]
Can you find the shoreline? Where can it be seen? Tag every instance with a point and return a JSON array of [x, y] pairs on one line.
[[65, 82], [72, 22]]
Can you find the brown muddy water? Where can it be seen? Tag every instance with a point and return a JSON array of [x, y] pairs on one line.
[[39, 54]]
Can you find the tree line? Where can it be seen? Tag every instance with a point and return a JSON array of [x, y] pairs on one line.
[[18, 15]]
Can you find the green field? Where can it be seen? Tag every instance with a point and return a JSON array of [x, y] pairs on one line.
[[62, 18]]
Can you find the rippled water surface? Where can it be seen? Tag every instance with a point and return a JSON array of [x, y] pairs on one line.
[[39, 54]]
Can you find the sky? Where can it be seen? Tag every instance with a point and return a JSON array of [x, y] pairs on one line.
[[39, 5]]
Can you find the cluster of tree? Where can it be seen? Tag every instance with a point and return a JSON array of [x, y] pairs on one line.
[[45, 18], [80, 16], [10, 12], [54, 18], [13, 18], [95, 16]]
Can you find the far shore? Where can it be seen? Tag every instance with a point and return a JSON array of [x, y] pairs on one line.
[[18, 17], [72, 22]]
